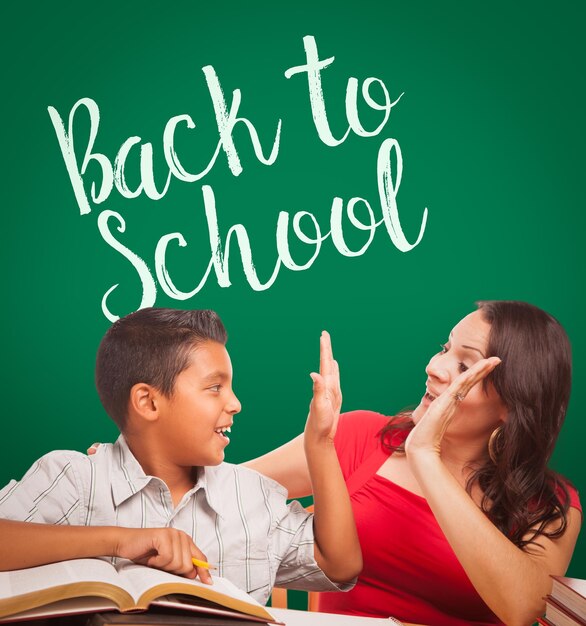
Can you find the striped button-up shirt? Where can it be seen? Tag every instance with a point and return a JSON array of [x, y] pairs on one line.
[[237, 517]]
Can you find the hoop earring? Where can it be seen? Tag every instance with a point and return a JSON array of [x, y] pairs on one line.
[[496, 433]]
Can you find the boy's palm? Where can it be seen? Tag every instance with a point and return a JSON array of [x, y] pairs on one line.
[[324, 410]]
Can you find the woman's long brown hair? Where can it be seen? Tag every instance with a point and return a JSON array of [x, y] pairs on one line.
[[521, 495]]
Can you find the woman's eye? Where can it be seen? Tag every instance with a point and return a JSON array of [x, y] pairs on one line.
[[462, 366]]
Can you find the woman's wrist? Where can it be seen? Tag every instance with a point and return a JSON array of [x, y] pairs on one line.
[[424, 461]]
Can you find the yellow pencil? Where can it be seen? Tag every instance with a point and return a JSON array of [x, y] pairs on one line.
[[199, 563]]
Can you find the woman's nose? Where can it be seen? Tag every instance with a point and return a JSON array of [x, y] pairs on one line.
[[437, 368]]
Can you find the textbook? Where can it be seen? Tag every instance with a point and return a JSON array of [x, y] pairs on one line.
[[557, 615], [569, 596], [95, 585]]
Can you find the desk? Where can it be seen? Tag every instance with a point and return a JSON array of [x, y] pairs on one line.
[[309, 618]]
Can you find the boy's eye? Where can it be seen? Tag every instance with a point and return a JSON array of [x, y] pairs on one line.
[[215, 387], [443, 348]]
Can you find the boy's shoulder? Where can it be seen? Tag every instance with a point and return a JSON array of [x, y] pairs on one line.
[[51, 491], [60, 461]]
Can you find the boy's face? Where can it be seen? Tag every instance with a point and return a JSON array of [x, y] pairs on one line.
[[201, 406]]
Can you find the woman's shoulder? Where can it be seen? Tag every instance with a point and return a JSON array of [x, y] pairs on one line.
[[360, 426], [567, 493], [358, 434]]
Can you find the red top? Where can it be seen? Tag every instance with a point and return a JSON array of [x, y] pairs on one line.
[[410, 571]]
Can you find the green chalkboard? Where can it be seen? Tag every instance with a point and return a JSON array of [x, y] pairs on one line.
[[480, 104]]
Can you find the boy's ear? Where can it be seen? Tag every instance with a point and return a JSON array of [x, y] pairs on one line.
[[144, 401]]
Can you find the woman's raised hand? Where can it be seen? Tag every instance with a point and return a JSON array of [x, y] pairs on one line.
[[324, 410], [428, 433]]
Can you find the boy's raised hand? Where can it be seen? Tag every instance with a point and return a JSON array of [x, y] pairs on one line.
[[324, 410], [168, 549], [336, 546]]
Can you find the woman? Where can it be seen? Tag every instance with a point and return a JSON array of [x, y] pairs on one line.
[[459, 519]]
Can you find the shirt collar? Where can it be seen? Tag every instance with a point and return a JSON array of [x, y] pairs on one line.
[[132, 478], [208, 479]]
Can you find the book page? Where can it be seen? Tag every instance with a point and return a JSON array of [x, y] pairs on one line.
[[137, 579], [19, 582], [200, 606], [140, 581], [62, 608]]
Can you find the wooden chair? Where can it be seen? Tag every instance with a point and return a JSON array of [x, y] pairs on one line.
[[279, 599]]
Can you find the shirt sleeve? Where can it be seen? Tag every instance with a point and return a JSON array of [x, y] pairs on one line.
[[49, 493], [292, 543], [573, 496], [575, 499]]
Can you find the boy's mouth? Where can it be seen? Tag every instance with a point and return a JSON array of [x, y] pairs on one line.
[[222, 431]]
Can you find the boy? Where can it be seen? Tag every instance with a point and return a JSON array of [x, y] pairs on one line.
[[165, 377]]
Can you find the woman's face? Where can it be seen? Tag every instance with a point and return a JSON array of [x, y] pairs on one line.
[[480, 412]]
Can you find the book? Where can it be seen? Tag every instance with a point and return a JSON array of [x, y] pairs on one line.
[[95, 585], [557, 615], [570, 594], [287, 616], [161, 619]]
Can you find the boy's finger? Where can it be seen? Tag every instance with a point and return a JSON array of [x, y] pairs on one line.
[[203, 573], [318, 384], [336, 375], [320, 391], [325, 354]]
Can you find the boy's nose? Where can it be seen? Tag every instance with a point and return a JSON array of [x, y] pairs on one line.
[[233, 405]]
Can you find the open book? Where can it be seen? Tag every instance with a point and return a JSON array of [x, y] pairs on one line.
[[90, 585]]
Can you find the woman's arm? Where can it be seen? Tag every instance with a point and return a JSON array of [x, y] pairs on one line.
[[287, 465], [512, 582]]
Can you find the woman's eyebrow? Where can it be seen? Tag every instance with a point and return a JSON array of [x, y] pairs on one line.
[[475, 349]]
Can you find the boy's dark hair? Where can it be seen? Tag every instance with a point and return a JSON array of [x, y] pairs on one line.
[[151, 346]]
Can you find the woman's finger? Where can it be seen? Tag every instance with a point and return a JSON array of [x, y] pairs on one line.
[[93, 448], [461, 386]]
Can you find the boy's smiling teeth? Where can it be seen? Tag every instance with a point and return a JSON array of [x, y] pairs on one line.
[[222, 430]]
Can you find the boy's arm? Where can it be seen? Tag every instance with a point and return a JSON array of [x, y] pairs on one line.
[[26, 544], [337, 549]]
